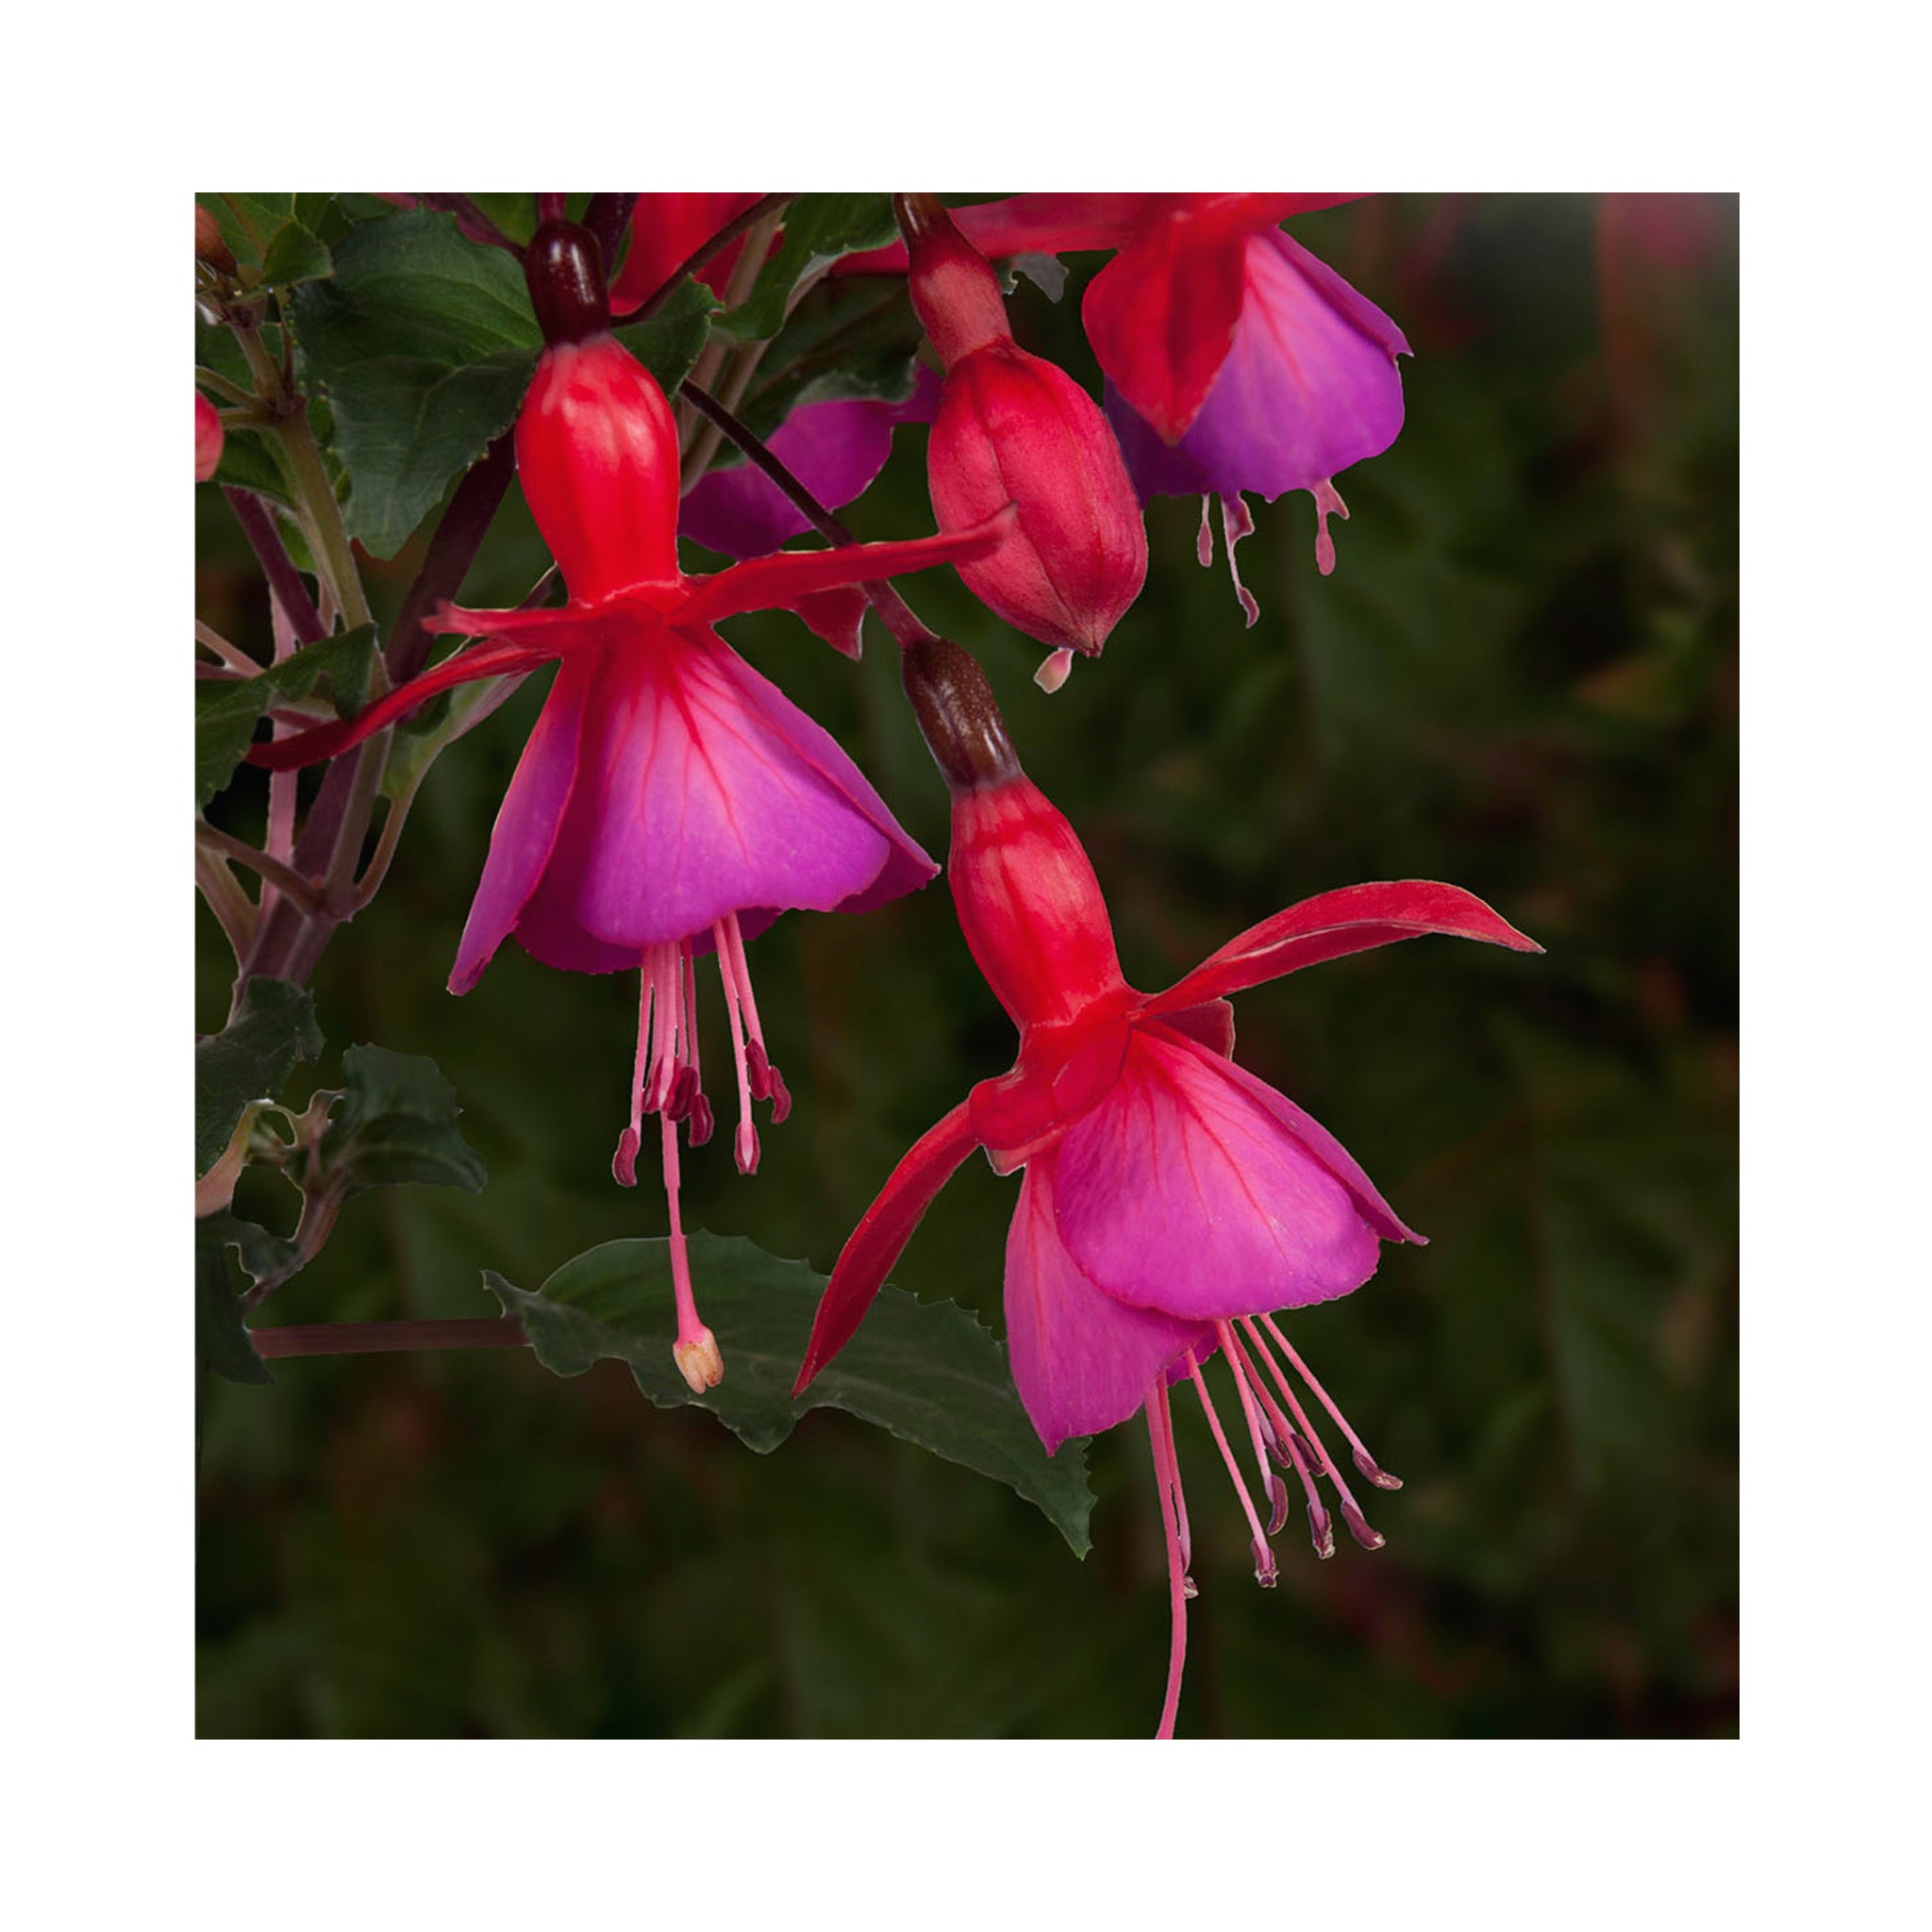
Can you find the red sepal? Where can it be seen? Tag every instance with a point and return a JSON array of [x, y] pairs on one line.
[[325, 741], [877, 1241], [779, 582], [1351, 920]]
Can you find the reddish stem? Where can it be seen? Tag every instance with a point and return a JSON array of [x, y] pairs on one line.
[[385, 1337]]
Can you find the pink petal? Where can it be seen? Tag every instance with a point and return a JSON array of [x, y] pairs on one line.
[[1182, 1192], [702, 790], [526, 825], [878, 1241], [1082, 1362], [835, 449]]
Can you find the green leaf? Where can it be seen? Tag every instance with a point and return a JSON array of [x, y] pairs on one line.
[[295, 256], [424, 343], [226, 711], [249, 1060], [819, 228], [668, 343], [398, 1122], [222, 1346], [929, 1372]]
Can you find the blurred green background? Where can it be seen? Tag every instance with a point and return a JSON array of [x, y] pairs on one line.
[[1522, 677]]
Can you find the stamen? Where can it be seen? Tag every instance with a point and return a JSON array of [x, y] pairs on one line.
[[1167, 1483], [1350, 1513], [624, 1163], [695, 1350], [1277, 1490], [699, 1111], [767, 1082], [1204, 542], [746, 1145], [1264, 1557], [1290, 1449], [1328, 503], [1180, 1500], [1237, 521], [667, 997], [1363, 1460]]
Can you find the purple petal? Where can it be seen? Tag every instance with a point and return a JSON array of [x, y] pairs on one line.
[[527, 825], [1182, 1192], [835, 449], [1310, 386], [1081, 1361], [702, 790]]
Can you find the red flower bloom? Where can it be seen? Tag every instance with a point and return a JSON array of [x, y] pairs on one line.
[[1172, 1202], [671, 802]]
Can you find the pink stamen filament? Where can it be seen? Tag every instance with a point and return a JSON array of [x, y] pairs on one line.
[[1167, 1483], [1237, 521], [747, 1141], [1363, 1460], [1321, 1532], [1264, 1557], [1358, 1525], [624, 1165], [1204, 542], [1180, 1501], [767, 1082], [1243, 1374]]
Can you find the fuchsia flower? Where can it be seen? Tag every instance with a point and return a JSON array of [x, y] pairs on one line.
[[1172, 1202], [671, 801], [1235, 359], [207, 439], [1013, 427], [665, 231]]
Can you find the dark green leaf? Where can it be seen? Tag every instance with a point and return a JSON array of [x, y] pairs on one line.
[[929, 1372], [295, 256], [396, 1123], [249, 1060], [222, 1346], [226, 712], [669, 342], [423, 342], [819, 228]]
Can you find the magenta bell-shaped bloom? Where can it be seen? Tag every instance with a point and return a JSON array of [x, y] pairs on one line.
[[1310, 386], [1171, 1201], [671, 802]]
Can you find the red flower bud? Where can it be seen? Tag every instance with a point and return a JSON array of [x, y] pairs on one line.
[[1013, 427], [207, 439], [209, 245]]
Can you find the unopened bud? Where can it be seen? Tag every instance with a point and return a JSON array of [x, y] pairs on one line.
[[207, 439], [699, 1360], [208, 244]]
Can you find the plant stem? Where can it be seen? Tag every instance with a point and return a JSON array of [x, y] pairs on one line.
[[607, 217], [452, 550], [385, 1337], [284, 581], [471, 221], [894, 613], [226, 899], [284, 878]]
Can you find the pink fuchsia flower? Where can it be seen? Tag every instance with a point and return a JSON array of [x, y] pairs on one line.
[[1013, 427], [833, 448], [1236, 361], [671, 801], [1172, 1202], [207, 439]]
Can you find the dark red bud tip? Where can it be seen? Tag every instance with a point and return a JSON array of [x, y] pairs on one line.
[[564, 268], [921, 216], [956, 714], [209, 245]]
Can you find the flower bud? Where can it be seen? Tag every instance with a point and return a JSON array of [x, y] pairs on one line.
[[207, 439], [1013, 427], [209, 245]]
